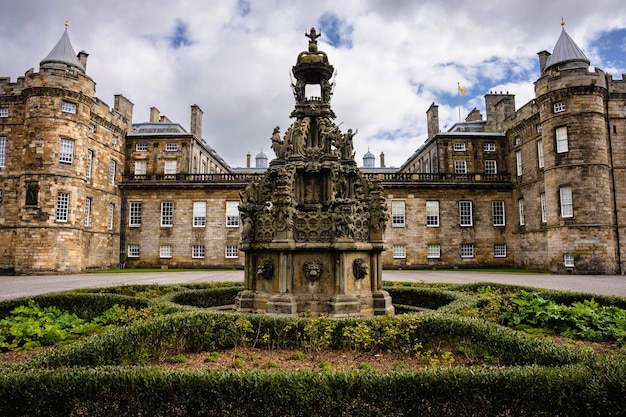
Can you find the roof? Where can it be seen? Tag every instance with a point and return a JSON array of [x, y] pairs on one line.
[[564, 51], [157, 128], [63, 53]]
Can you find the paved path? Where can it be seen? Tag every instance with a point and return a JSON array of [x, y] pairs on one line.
[[23, 286]]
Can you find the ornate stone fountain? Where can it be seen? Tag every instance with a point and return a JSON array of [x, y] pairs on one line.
[[313, 227]]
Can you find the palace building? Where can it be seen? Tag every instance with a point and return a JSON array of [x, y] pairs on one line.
[[83, 188]]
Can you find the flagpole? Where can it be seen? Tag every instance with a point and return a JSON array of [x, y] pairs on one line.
[[458, 98]]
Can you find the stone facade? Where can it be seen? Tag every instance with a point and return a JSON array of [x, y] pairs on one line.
[[537, 187]]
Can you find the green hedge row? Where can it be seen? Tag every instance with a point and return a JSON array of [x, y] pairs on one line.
[[206, 331], [578, 390], [84, 305]]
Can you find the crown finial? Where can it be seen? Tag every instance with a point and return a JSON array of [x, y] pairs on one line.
[[67, 23], [562, 22]]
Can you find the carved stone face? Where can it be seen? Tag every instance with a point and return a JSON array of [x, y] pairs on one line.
[[265, 269], [313, 269], [360, 268]]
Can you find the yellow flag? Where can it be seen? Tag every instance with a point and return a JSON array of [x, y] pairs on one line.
[[461, 89]]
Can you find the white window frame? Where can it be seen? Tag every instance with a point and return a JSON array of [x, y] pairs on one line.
[[167, 213], [499, 250], [467, 250], [433, 251], [198, 252], [491, 166], [540, 159], [88, 202], [114, 140], [544, 207], [568, 260], [562, 144], [66, 151], [460, 167], [62, 212], [171, 147], [68, 107], [567, 203], [134, 214], [141, 147], [518, 162], [231, 252], [89, 163], [498, 213], [459, 147], [399, 251], [3, 151], [522, 214], [4, 112], [170, 167], [133, 251], [111, 216], [199, 214], [141, 167], [398, 213], [558, 107], [112, 169], [165, 251], [232, 213], [92, 127], [466, 218], [432, 213], [489, 147]]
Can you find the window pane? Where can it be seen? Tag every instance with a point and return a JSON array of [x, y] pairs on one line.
[[135, 214], [3, 150], [397, 213], [433, 251], [167, 213], [432, 213], [232, 251], [544, 213], [498, 213], [140, 167], [66, 152], [467, 250], [465, 213], [540, 153], [87, 211], [165, 251], [197, 251], [499, 250], [232, 214], [399, 251], [522, 218], [170, 168], [491, 167], [567, 205], [63, 206], [561, 140], [133, 251], [199, 213]]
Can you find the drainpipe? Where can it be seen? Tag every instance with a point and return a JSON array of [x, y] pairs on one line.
[[615, 211]]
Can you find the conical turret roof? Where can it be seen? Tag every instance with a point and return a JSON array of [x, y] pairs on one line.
[[565, 51], [63, 53]]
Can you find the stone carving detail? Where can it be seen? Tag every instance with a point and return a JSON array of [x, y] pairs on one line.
[[265, 268], [313, 269], [360, 268]]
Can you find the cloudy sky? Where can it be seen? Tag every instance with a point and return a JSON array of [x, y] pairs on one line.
[[233, 58]]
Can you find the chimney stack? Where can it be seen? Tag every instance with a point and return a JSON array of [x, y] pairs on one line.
[[196, 121], [543, 58], [432, 120], [82, 57], [248, 160], [154, 115], [382, 160]]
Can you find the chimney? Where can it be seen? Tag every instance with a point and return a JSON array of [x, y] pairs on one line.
[[248, 160], [82, 57], [196, 121], [382, 160], [154, 115], [124, 107], [432, 120], [543, 58]]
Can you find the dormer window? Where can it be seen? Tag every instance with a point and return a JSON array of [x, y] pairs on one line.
[[68, 107], [459, 147], [559, 107]]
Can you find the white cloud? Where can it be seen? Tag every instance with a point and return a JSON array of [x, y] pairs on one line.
[[403, 56]]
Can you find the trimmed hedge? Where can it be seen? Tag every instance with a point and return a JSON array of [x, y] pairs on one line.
[[579, 390]]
